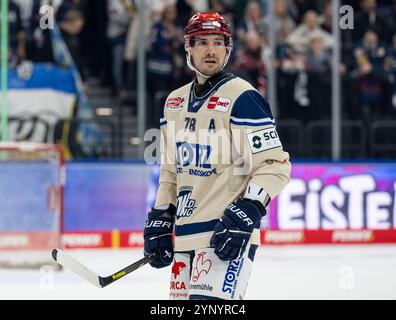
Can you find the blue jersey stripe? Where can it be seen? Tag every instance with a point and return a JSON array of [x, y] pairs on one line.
[[193, 228], [252, 124]]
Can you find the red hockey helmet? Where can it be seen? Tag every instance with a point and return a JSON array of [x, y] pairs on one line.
[[207, 23]]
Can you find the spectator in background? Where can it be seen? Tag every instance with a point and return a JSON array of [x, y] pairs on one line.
[[292, 84], [94, 42], [318, 65], [67, 5], [71, 22], [153, 13], [283, 24], [299, 38], [40, 43], [164, 60], [318, 56], [253, 22], [184, 11], [117, 26], [17, 36], [220, 6], [371, 73], [250, 63], [369, 19], [186, 8], [301, 7], [155, 8], [325, 19], [239, 7]]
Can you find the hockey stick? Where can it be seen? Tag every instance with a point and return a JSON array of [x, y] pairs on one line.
[[77, 267]]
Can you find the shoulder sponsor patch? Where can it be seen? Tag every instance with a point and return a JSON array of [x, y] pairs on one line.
[[221, 104], [174, 103], [264, 140]]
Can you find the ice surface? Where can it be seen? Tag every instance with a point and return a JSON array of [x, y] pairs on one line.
[[279, 272]]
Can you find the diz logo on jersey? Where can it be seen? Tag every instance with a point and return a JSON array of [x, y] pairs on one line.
[[193, 154], [185, 205]]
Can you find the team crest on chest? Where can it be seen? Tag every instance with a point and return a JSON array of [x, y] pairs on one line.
[[221, 104], [185, 205], [174, 103]]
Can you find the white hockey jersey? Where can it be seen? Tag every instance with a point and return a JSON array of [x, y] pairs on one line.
[[212, 148]]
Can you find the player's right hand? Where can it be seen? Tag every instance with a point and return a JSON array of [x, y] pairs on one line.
[[158, 236]]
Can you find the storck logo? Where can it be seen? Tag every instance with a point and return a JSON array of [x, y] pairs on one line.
[[201, 265], [176, 269], [219, 104]]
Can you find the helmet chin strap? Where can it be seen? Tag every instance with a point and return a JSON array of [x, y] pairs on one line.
[[193, 68]]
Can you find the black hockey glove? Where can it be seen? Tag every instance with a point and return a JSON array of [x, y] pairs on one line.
[[158, 236], [232, 232]]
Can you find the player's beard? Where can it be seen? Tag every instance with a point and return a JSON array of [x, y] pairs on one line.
[[209, 71]]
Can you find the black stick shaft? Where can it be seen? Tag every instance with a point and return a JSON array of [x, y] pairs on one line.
[[105, 281]]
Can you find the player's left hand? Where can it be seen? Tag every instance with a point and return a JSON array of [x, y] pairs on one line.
[[232, 232]]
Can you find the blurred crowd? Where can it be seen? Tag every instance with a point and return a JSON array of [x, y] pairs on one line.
[[102, 36]]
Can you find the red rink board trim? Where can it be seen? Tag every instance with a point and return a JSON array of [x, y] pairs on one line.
[[134, 239], [363, 236], [28, 240], [86, 239], [103, 239]]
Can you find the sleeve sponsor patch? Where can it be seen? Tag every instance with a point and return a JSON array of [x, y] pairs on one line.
[[264, 140]]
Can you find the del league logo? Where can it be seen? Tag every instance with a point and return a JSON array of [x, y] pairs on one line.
[[221, 104]]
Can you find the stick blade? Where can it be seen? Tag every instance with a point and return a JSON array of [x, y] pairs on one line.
[[77, 267]]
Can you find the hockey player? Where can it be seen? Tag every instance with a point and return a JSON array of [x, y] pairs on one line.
[[228, 165]]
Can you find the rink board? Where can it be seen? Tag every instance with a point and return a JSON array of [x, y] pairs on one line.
[[106, 205]]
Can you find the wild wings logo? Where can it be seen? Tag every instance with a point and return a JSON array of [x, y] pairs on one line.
[[185, 205]]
